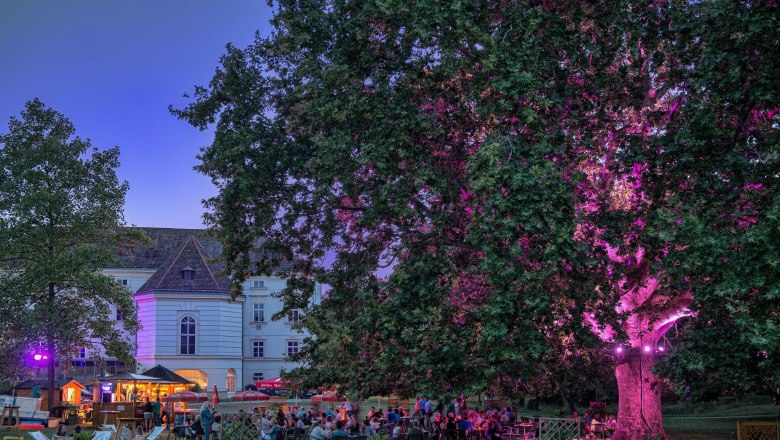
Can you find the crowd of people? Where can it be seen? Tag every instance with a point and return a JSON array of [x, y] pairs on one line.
[[427, 421], [594, 424]]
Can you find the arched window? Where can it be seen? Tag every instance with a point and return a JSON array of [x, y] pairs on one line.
[[231, 380], [195, 376], [187, 335]]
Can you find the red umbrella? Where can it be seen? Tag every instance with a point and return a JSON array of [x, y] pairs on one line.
[[249, 396], [273, 384], [324, 398], [185, 396], [215, 396]]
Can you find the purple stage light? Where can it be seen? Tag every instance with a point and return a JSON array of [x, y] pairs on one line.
[[647, 349], [661, 349]]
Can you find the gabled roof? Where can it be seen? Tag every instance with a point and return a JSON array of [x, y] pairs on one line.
[[164, 242], [163, 373], [44, 384], [189, 256], [124, 377]]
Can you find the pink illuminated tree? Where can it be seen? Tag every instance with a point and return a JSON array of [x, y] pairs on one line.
[[498, 193]]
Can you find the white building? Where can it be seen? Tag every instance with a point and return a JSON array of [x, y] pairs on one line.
[[189, 322]]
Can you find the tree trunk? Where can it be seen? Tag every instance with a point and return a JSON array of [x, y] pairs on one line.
[[51, 379], [639, 404], [51, 349], [567, 402]]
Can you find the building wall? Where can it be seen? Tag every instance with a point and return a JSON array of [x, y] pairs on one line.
[[273, 334], [226, 330]]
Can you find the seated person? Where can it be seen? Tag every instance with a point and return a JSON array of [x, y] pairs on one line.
[[216, 427], [317, 432], [416, 433], [339, 432], [78, 435], [367, 430]]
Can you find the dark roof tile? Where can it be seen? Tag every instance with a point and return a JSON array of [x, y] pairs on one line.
[[189, 256]]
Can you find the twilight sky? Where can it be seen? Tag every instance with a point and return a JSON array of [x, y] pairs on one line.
[[113, 67]]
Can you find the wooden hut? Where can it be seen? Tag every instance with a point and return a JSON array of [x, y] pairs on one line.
[[67, 391]]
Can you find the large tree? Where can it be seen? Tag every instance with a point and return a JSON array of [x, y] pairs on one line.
[[61, 223], [501, 192]]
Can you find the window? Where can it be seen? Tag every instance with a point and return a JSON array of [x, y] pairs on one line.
[[257, 349], [118, 314], [230, 384], [294, 316], [186, 274], [123, 282], [187, 335], [258, 284], [195, 376], [257, 377], [258, 312], [82, 352], [292, 347]]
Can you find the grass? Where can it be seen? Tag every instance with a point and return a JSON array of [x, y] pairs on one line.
[[682, 420], [701, 420], [48, 432]]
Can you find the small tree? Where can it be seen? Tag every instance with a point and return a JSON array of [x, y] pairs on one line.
[[61, 222]]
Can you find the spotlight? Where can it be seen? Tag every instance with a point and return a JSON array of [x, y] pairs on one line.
[[647, 349]]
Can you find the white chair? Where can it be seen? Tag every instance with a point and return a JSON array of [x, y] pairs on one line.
[[101, 435], [111, 428], [156, 431], [38, 435], [126, 434]]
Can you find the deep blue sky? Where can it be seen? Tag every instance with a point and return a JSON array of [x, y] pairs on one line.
[[112, 68]]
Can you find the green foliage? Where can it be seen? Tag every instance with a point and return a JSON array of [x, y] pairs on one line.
[[453, 171], [61, 223]]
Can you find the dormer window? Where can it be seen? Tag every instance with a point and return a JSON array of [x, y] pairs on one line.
[[187, 273]]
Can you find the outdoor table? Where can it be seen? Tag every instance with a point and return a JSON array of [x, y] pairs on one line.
[[525, 427], [476, 433], [10, 413], [107, 413], [179, 431], [511, 435]]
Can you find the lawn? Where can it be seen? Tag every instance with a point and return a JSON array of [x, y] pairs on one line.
[[683, 421]]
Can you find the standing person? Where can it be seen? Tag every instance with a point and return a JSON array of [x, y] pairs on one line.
[[148, 412], [417, 405], [265, 423], [206, 419], [167, 412], [156, 407], [428, 408]]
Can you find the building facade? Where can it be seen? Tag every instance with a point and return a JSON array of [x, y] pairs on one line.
[[192, 325]]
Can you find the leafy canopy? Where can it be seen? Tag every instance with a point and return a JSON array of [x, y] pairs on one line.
[[492, 189], [61, 223]]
